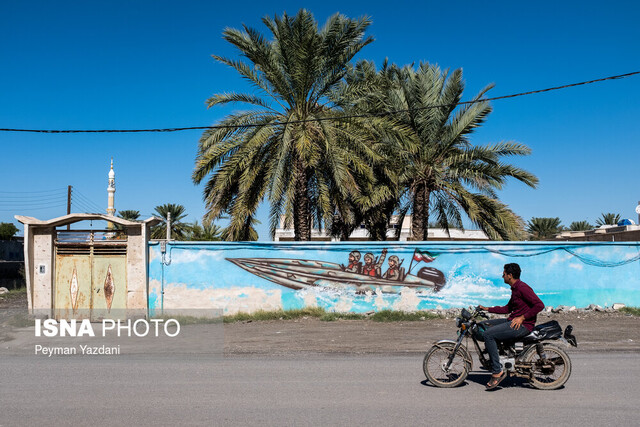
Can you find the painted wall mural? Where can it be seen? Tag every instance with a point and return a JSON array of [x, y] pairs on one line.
[[373, 276]]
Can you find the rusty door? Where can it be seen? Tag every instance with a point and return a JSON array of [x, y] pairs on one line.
[[72, 298], [109, 283], [90, 277]]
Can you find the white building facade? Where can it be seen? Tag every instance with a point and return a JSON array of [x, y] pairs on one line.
[[361, 233]]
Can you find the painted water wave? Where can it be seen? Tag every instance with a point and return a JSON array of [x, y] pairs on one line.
[[462, 290]]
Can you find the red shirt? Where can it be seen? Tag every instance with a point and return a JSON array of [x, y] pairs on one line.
[[523, 302], [369, 271]]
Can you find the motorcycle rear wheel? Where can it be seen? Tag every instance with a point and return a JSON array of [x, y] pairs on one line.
[[436, 360], [553, 375]]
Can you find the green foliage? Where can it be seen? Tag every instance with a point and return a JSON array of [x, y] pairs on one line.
[[241, 231], [130, 215], [191, 320], [634, 311], [275, 315], [323, 315], [271, 151], [580, 226], [544, 228], [402, 316], [430, 167], [179, 230], [208, 231], [7, 230], [608, 219]]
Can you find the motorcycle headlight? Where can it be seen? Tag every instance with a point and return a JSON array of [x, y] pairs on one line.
[[458, 322]]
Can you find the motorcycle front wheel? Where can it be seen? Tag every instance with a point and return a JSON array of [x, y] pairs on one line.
[[553, 371], [435, 365]]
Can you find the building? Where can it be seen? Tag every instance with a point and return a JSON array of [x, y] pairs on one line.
[[361, 234], [606, 233]]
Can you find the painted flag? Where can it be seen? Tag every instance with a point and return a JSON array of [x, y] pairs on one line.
[[425, 256]]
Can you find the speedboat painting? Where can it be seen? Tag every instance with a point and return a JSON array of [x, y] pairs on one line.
[[303, 274]]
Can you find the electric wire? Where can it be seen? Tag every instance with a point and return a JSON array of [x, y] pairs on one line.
[[31, 192], [81, 205], [88, 209], [90, 203], [86, 200], [533, 251], [32, 199], [320, 119], [30, 208]]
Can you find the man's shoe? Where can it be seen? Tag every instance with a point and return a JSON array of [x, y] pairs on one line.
[[494, 381]]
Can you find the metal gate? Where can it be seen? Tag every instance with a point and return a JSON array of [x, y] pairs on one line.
[[90, 275]]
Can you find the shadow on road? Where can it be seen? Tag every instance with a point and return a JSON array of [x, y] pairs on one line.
[[482, 378]]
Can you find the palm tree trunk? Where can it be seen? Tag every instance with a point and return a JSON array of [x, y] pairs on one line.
[[420, 216], [301, 208]]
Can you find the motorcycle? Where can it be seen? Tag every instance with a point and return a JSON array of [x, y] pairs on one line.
[[545, 365]]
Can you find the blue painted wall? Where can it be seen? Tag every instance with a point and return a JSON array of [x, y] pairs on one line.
[[210, 275]]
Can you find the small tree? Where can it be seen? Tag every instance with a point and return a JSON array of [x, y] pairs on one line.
[[7, 230], [580, 226], [544, 228], [608, 219], [179, 229], [208, 231]]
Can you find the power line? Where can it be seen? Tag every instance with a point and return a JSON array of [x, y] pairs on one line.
[[57, 190], [30, 199], [83, 206], [87, 201], [386, 113], [30, 208], [75, 199]]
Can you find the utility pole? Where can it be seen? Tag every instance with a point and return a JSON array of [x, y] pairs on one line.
[[68, 205], [168, 226]]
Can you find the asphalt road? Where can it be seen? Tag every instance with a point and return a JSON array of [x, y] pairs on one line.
[[302, 390]]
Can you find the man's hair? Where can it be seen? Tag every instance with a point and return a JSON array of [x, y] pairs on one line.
[[513, 269]]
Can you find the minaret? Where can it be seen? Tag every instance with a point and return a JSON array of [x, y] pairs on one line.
[[111, 189]]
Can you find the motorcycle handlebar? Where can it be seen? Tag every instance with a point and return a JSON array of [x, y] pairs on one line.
[[480, 312]]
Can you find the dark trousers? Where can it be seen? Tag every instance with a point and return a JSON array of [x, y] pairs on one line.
[[499, 330]]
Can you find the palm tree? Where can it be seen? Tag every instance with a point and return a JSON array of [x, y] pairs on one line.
[[362, 93], [129, 215], [208, 231], [608, 219], [245, 233], [441, 173], [580, 226], [544, 228], [290, 147], [179, 229]]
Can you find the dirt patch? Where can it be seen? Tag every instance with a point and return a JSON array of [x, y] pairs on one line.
[[595, 331], [13, 299]]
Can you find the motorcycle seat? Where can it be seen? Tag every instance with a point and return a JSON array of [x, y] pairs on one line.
[[546, 331]]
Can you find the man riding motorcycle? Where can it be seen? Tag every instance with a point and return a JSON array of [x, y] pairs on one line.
[[522, 308]]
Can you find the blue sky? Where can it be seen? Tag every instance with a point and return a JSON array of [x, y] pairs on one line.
[[147, 64]]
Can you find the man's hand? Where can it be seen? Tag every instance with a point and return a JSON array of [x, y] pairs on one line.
[[483, 308], [517, 322]]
